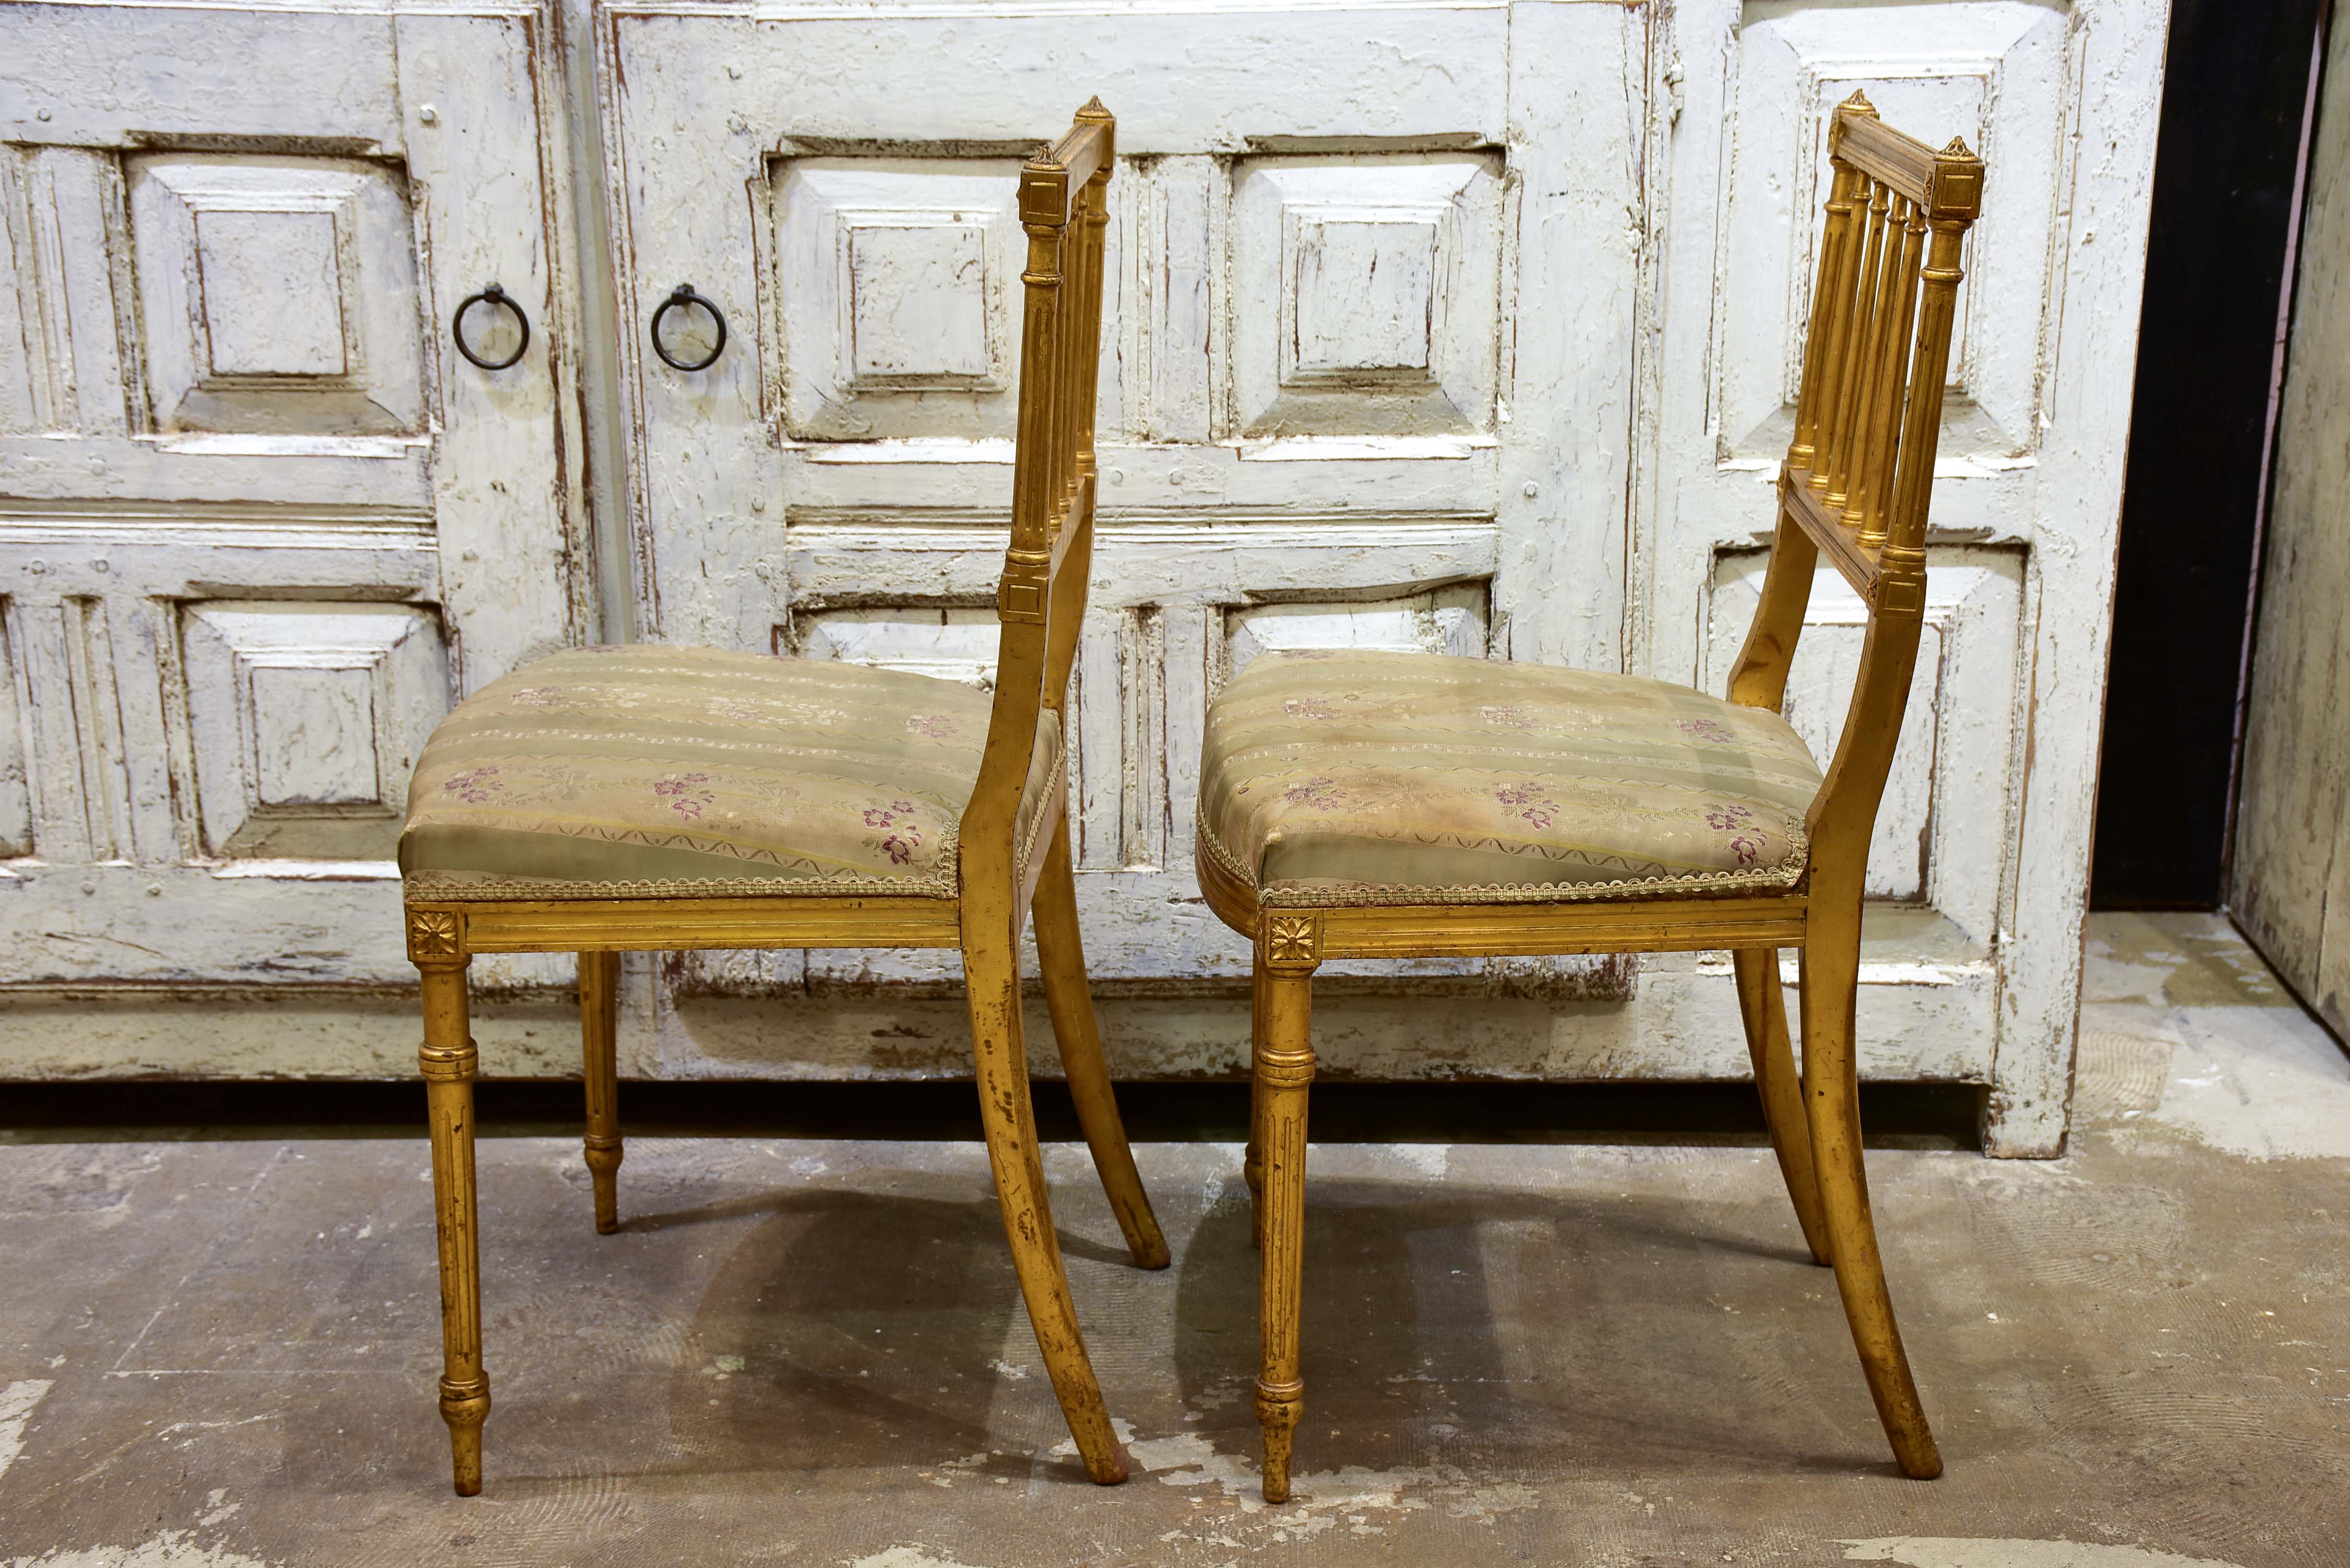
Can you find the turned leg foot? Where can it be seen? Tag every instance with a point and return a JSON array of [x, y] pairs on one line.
[[600, 988], [465, 1405]]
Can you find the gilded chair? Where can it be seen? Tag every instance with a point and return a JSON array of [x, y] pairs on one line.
[[1390, 806], [651, 797]]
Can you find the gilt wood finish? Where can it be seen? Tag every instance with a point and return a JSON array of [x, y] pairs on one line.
[[1041, 602], [1854, 488]]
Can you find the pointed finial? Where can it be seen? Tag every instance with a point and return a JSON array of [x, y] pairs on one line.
[[1956, 190], [1094, 110], [1858, 104]]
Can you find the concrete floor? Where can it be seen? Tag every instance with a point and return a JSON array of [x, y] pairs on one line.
[[221, 1354]]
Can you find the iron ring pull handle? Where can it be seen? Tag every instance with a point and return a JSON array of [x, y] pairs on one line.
[[494, 295], [679, 297]]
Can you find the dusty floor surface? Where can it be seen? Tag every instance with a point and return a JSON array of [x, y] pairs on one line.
[[221, 1354]]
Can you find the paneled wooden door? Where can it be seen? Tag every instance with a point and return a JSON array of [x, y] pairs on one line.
[[1370, 381], [259, 522], [1979, 866]]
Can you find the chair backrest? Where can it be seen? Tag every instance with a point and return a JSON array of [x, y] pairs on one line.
[[1041, 599], [1859, 472]]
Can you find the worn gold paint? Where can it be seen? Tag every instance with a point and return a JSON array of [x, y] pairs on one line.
[[1041, 602], [1854, 488]]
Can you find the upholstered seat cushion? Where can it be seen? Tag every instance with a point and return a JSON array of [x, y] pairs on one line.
[[646, 770], [1370, 778]]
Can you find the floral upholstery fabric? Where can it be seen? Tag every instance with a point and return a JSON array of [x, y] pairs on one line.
[[641, 769], [1371, 778]]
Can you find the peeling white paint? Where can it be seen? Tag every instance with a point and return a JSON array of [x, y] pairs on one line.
[[171, 1548], [16, 1402], [1320, 1498], [1958, 1551], [907, 1557]]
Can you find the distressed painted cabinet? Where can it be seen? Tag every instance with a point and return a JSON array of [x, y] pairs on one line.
[[258, 522], [1453, 325]]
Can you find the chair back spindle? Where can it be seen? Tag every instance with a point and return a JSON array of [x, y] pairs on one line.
[[1860, 467]]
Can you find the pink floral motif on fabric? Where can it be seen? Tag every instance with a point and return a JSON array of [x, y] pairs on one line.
[[1706, 730], [1310, 708], [474, 784], [1733, 819], [1316, 793], [685, 795], [905, 837], [935, 725], [1530, 801]]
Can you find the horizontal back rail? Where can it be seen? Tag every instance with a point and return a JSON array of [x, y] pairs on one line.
[[1856, 563], [1903, 163]]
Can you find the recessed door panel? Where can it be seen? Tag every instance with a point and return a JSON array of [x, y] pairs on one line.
[[277, 295]]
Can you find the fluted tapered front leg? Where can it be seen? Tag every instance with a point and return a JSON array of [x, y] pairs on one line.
[[1252, 1163], [600, 1002], [1283, 1073], [449, 1062]]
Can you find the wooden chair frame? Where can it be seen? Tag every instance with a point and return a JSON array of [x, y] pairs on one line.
[[1041, 601], [1855, 489]]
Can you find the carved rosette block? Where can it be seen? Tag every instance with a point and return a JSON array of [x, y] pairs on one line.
[[1292, 942], [434, 935]]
